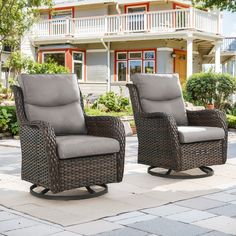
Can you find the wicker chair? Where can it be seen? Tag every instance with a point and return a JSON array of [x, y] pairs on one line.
[[170, 137], [62, 148]]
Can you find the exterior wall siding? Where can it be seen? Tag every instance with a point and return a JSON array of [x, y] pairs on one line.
[[96, 66], [100, 10]]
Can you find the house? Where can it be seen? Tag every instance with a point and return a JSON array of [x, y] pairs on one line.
[[5, 55], [228, 55], [105, 42]]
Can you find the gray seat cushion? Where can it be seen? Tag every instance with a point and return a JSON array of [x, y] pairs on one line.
[[192, 134], [161, 93], [71, 146], [54, 99]]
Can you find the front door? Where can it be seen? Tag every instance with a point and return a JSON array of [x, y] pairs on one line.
[[180, 65]]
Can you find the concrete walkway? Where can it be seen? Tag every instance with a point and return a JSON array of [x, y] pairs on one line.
[[140, 205]]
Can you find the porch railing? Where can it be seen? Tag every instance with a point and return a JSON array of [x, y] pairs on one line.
[[149, 22], [229, 44]]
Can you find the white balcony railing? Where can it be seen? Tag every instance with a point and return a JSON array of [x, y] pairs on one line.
[[150, 22], [229, 44]]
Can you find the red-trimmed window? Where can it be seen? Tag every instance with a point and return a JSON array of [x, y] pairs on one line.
[[78, 64], [136, 8], [64, 12], [73, 59], [131, 62], [56, 56]]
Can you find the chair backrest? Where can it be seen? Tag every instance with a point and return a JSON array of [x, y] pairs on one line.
[[161, 93], [54, 98]]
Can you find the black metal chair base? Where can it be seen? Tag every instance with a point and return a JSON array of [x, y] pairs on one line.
[[207, 170], [91, 193]]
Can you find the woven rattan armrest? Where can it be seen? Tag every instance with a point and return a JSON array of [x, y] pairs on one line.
[[111, 127], [105, 126], [213, 118]]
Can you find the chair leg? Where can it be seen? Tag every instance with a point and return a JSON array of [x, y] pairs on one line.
[[207, 170], [91, 193]]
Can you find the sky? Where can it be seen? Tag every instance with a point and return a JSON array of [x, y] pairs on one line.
[[229, 24]]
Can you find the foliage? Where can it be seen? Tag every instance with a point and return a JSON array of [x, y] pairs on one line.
[[45, 68], [18, 62], [201, 87], [96, 112], [112, 102], [204, 88], [8, 120], [226, 86], [231, 121], [229, 5], [16, 17]]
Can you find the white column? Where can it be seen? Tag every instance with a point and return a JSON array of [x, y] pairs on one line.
[[189, 56], [234, 66], [108, 68], [217, 56]]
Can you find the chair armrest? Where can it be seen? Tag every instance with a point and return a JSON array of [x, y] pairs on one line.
[[105, 126], [111, 127], [38, 140], [213, 118]]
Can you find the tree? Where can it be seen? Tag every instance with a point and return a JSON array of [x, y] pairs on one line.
[[16, 17], [229, 5]]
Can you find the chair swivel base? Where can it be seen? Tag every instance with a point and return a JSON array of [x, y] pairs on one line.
[[207, 172], [91, 193]]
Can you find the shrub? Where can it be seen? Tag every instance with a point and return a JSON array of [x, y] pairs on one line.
[[201, 88], [8, 120], [231, 121], [112, 102], [204, 88], [45, 68]]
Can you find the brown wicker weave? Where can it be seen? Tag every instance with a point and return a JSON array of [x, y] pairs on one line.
[[42, 166], [159, 144]]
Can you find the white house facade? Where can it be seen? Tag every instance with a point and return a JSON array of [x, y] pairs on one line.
[[105, 42]]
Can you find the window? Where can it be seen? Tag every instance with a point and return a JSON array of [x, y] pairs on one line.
[[143, 61], [61, 14], [121, 70], [58, 57], [78, 64]]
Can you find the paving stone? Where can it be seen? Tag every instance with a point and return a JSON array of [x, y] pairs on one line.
[[124, 216], [4, 215], [124, 231], [16, 224], [166, 210], [38, 230], [94, 227], [216, 233], [220, 223], [228, 210], [222, 196], [231, 191], [65, 233], [145, 217], [166, 227], [191, 216], [200, 203]]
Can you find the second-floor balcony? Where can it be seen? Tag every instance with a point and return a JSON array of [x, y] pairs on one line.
[[126, 24], [229, 44]]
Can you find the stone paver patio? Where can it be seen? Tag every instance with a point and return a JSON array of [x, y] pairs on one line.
[[140, 205]]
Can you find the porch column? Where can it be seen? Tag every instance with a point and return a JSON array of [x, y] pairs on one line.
[[234, 66], [189, 56], [217, 56], [108, 68]]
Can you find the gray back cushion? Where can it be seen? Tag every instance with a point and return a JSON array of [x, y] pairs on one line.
[[54, 99], [161, 93]]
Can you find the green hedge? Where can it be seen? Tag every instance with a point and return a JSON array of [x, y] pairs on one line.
[[8, 120], [231, 121]]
